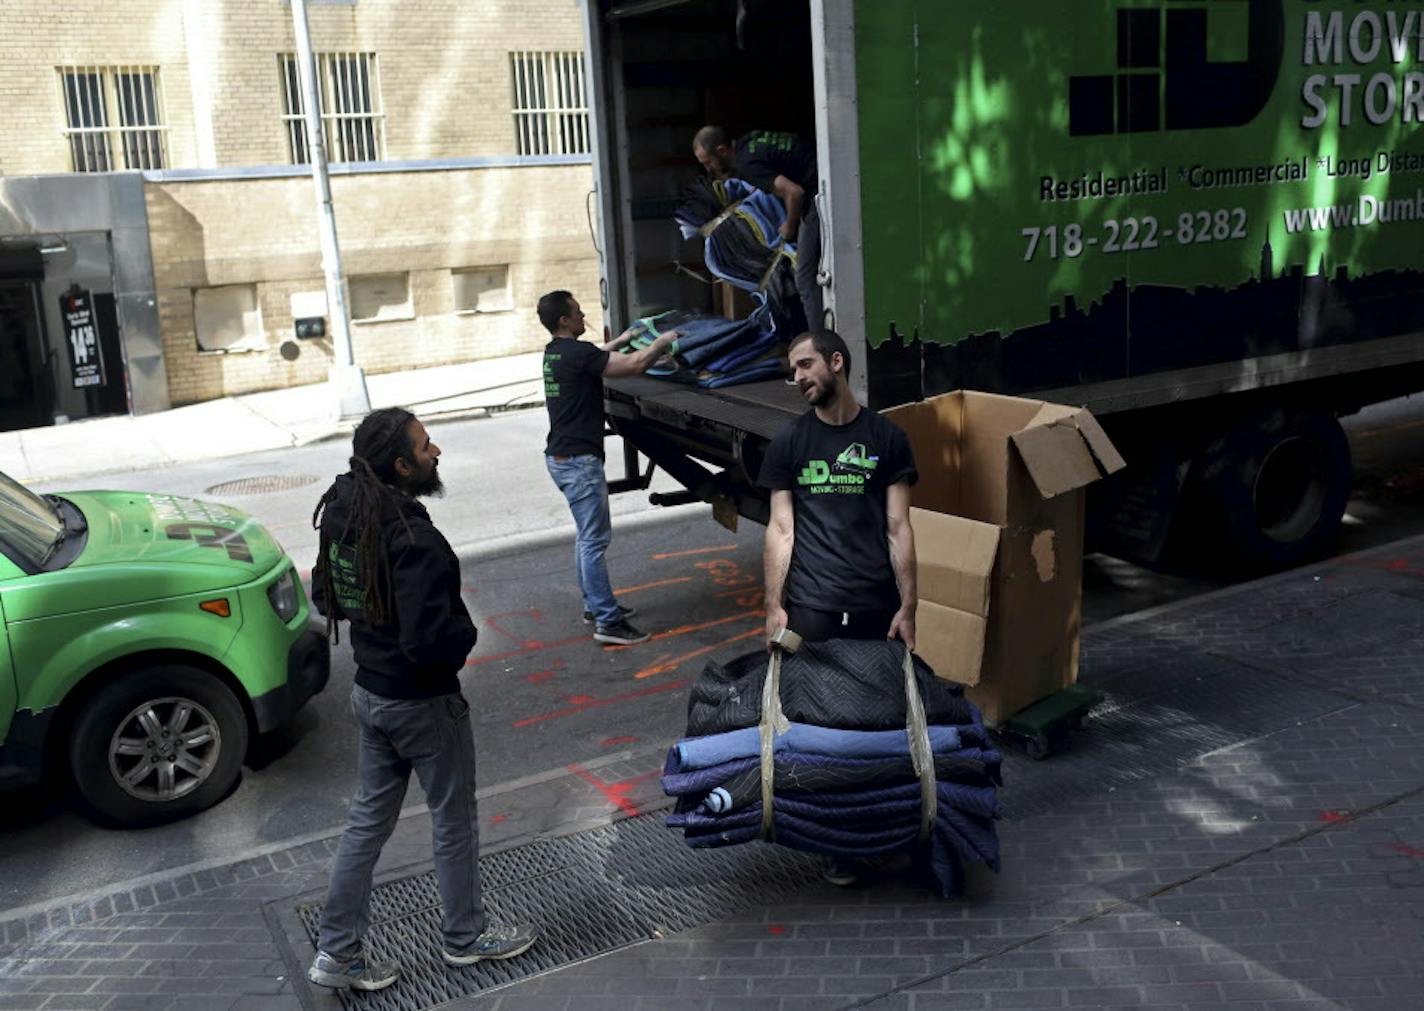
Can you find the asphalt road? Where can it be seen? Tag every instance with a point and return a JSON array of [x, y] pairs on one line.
[[544, 695]]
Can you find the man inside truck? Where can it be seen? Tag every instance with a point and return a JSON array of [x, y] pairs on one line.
[[573, 392], [839, 553], [783, 165]]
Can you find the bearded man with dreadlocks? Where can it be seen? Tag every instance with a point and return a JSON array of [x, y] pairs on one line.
[[384, 567]]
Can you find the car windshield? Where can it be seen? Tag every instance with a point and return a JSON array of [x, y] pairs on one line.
[[28, 524]]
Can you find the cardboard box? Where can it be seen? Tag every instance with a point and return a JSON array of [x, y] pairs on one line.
[[998, 520]]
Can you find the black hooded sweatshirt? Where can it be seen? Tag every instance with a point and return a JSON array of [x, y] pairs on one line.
[[418, 653]]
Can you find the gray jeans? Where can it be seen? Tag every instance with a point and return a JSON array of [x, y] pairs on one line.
[[433, 738], [808, 259]]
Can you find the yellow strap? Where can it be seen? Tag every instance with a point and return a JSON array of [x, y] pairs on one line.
[[921, 755]]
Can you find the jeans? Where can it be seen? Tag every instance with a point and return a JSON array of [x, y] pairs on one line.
[[433, 738], [808, 261], [581, 480]]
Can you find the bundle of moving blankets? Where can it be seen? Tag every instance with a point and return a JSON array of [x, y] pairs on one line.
[[844, 782], [740, 226]]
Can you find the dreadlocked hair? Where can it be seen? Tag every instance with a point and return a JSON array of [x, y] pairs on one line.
[[380, 440]]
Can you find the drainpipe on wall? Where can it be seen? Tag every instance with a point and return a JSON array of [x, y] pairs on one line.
[[347, 379]]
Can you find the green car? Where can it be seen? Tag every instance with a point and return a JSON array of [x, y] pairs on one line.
[[144, 639]]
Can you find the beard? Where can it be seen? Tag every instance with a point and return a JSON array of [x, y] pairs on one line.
[[820, 392], [428, 485]]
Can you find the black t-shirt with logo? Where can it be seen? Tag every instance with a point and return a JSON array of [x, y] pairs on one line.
[[838, 476], [573, 392], [762, 155]]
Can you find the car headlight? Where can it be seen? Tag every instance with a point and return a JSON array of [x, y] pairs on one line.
[[284, 598]]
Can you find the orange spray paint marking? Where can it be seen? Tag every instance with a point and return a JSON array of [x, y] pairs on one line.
[[685, 629], [650, 586], [497, 818], [539, 677], [694, 551], [580, 700], [531, 647], [615, 793], [1334, 817], [613, 742], [1408, 851], [493, 622], [600, 703], [663, 666]]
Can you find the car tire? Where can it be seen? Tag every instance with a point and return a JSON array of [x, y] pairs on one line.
[[157, 744], [1280, 483]]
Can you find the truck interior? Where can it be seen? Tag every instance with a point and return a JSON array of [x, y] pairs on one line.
[[676, 66], [740, 64]]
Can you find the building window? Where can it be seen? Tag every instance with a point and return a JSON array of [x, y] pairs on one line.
[[550, 103], [113, 118], [482, 289], [378, 297], [228, 318], [354, 121]]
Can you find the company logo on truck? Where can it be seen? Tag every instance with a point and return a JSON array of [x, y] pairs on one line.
[[1166, 81]]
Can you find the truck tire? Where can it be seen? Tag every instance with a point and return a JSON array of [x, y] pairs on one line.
[[157, 744], [1279, 483]]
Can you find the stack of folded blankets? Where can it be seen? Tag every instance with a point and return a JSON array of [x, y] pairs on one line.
[[713, 352], [844, 782], [742, 245]]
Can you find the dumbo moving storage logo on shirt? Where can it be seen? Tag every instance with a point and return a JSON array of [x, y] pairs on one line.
[[551, 385], [852, 469]]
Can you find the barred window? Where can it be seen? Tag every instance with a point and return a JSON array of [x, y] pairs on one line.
[[550, 103], [132, 137], [354, 121]]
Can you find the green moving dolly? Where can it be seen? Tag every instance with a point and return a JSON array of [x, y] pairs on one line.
[[1043, 726]]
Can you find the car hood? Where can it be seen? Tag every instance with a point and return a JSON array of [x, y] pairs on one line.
[[136, 527]]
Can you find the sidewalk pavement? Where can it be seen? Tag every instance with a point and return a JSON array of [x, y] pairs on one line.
[[256, 421], [1239, 825]]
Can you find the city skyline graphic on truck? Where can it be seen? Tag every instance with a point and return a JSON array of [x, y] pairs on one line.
[[1140, 189]]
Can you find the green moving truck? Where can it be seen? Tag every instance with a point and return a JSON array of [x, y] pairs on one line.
[[1202, 220]]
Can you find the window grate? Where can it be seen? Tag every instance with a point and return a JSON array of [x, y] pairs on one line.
[[132, 137], [353, 119], [550, 103]]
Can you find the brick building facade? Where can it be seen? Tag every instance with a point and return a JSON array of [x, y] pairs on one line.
[[153, 155]]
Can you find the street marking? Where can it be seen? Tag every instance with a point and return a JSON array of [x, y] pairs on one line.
[[600, 703], [684, 629], [649, 586], [663, 666], [693, 551], [533, 646], [615, 793]]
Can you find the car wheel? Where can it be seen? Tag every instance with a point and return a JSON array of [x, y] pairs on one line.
[[157, 744]]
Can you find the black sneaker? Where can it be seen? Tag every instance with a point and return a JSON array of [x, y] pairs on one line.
[[625, 612], [621, 634]]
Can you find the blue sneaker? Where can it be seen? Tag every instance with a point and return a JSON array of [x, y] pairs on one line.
[[495, 942], [358, 973]]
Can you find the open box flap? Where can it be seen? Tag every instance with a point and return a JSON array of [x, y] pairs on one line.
[[951, 642], [955, 559]]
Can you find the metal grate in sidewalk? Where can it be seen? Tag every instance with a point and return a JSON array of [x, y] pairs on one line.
[[589, 893]]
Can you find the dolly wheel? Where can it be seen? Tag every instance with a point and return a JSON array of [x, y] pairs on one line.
[[1039, 747]]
